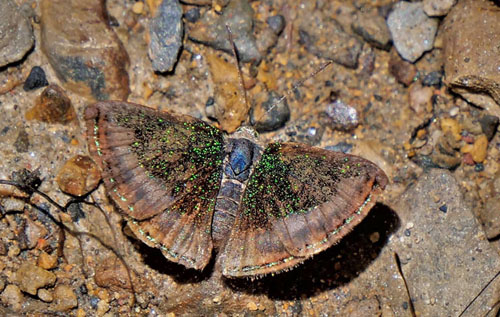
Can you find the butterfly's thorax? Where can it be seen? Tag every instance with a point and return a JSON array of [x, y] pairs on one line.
[[242, 151]]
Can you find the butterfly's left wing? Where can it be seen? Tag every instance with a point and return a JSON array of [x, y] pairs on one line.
[[299, 201]]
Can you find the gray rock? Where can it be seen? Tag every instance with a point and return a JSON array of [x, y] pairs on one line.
[[445, 257], [341, 116], [16, 34], [276, 23], [373, 28], [272, 114], [438, 7], [412, 30], [324, 37], [166, 30], [211, 30]]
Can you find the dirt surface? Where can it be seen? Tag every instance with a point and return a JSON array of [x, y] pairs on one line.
[[429, 245]]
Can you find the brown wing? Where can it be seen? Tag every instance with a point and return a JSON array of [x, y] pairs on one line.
[[163, 171], [299, 201]]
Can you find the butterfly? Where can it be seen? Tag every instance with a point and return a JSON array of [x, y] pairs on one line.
[[188, 189]]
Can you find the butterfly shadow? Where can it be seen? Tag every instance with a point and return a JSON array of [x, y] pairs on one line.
[[332, 268]]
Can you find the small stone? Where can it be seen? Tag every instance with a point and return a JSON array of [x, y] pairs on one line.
[[403, 71], [45, 295], [467, 159], [102, 308], [252, 306], [438, 7], [479, 150], [443, 208], [420, 98], [166, 31], [342, 116], [3, 248], [14, 250], [276, 23], [412, 30], [138, 7], [373, 28], [64, 298], [375, 237], [489, 125], [271, 114], [52, 106], [111, 273], [192, 15], [452, 126], [433, 79], [211, 30], [47, 261], [308, 131], [30, 278], [324, 37], [22, 142], [479, 167], [78, 176], [343, 147], [36, 79], [12, 296], [16, 33]]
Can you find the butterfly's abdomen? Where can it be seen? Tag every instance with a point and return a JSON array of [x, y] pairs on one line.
[[238, 164]]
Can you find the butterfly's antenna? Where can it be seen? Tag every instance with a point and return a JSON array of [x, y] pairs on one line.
[[237, 60], [400, 271], [298, 84], [479, 294]]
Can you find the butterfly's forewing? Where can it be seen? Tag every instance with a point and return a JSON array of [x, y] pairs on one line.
[[163, 170], [299, 201]]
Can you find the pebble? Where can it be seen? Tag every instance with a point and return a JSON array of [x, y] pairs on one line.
[[85, 53], [138, 7], [192, 15], [211, 30], [404, 72], [270, 115], [479, 149], [12, 296], [489, 125], [412, 30], [22, 142], [373, 28], [324, 37], [52, 106], [276, 23], [342, 116], [309, 131], [16, 33], [36, 79], [470, 44], [45, 295], [433, 79], [438, 7], [64, 298], [252, 306], [343, 147], [30, 278], [112, 274], [375, 237], [78, 176], [420, 98], [47, 261], [451, 125], [165, 31]]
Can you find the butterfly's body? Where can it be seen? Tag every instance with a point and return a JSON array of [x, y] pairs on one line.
[[241, 152], [187, 189]]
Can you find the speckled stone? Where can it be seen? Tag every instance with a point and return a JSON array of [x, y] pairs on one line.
[[65, 298], [16, 33], [31, 277]]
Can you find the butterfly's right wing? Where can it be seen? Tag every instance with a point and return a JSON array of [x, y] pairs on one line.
[[299, 200], [163, 170]]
